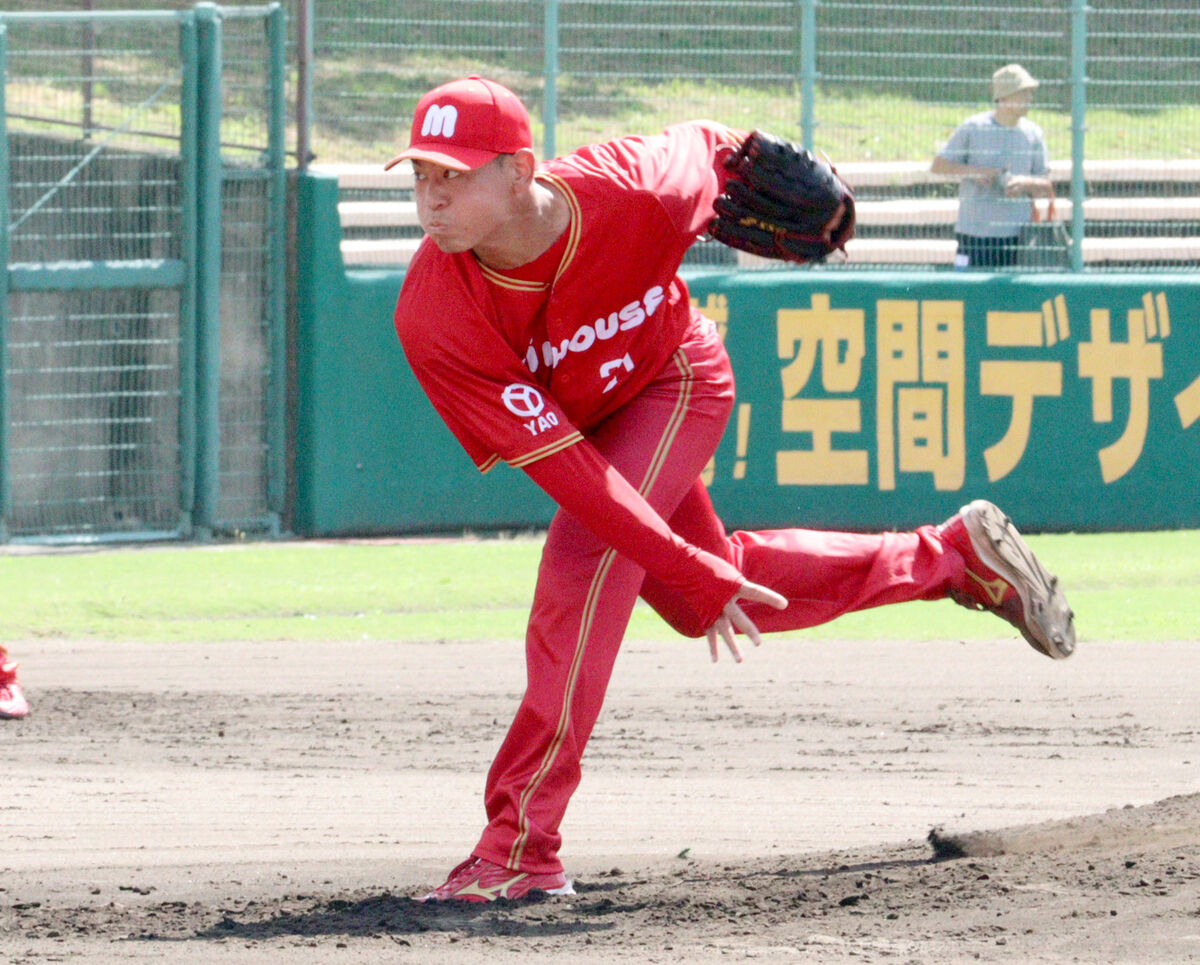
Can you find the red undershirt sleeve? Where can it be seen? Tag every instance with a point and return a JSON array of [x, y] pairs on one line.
[[585, 485]]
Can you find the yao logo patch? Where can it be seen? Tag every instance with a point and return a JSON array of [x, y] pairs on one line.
[[523, 400], [527, 404]]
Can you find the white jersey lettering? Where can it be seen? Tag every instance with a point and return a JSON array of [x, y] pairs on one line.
[[606, 328], [583, 339], [552, 356], [602, 329], [541, 423], [632, 316], [608, 368]]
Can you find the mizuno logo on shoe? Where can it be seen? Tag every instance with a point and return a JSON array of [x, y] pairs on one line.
[[995, 589], [490, 893]]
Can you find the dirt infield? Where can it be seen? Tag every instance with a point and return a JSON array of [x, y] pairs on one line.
[[282, 803]]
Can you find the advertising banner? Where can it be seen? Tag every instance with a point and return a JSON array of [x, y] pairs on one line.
[[870, 400]]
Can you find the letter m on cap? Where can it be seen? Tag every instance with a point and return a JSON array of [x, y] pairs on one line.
[[439, 121]]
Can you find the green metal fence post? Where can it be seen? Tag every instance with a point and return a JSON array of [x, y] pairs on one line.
[[550, 94], [208, 265], [1079, 14], [188, 213], [5, 491], [277, 265], [808, 72], [304, 83]]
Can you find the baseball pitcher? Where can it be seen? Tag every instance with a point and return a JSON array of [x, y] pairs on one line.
[[544, 317]]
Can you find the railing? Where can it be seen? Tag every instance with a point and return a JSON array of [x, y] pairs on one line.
[[892, 231]]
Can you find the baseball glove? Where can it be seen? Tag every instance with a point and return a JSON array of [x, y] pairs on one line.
[[782, 202]]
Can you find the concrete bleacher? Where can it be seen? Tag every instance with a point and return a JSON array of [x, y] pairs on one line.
[[380, 227]]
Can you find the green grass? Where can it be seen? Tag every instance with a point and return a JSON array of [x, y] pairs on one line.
[[875, 126], [883, 93], [854, 123], [1124, 586]]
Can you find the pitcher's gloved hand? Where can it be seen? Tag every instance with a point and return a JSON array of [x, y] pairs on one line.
[[782, 202]]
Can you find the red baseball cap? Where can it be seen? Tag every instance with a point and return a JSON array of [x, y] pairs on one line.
[[465, 124]]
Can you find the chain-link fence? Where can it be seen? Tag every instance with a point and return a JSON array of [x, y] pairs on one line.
[[94, 378], [105, 321], [253, 237], [878, 86]]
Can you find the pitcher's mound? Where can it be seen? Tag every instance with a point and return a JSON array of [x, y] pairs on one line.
[[1163, 823]]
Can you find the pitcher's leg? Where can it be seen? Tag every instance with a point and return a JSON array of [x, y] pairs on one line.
[[584, 597], [823, 574], [977, 558], [695, 521], [827, 574], [585, 594]]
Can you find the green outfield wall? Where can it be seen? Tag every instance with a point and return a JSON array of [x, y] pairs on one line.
[[865, 401]]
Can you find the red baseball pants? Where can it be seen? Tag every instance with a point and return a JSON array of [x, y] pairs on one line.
[[660, 442]]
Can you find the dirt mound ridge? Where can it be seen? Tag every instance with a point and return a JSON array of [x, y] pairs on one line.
[[1163, 824]]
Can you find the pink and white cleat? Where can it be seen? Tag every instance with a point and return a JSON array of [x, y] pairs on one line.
[[478, 879], [1003, 576]]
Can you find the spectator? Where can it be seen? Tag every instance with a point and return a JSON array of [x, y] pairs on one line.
[[1001, 158]]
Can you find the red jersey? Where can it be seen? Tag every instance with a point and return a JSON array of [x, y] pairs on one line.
[[519, 366]]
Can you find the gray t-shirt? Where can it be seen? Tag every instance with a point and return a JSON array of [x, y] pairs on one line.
[[983, 210]]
